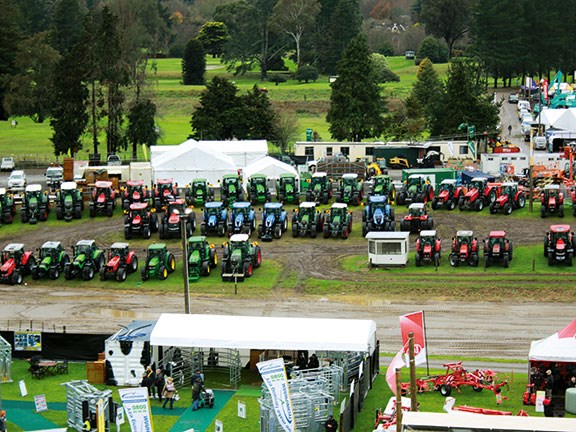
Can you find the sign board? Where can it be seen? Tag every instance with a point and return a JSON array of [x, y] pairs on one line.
[[27, 341], [540, 395], [218, 426], [23, 390], [120, 417], [40, 403], [241, 410], [308, 134]]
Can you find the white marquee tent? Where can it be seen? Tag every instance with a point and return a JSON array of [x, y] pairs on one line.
[[269, 166], [242, 152], [249, 332], [561, 118], [560, 347]]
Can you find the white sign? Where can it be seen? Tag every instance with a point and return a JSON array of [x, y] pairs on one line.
[[40, 402], [137, 408], [218, 426], [241, 410], [273, 374], [120, 417], [540, 396], [23, 390]]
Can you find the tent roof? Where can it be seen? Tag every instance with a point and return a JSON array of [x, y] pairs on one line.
[[561, 346], [249, 332], [559, 118], [271, 167], [192, 155], [245, 146]]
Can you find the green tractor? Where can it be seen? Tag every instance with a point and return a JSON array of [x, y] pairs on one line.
[[307, 220], [159, 262], [53, 260], [69, 202], [383, 186], [288, 190], [35, 205], [198, 193], [7, 206], [258, 192], [231, 189], [88, 259], [202, 258], [418, 190], [338, 221], [240, 258], [320, 190], [351, 190]]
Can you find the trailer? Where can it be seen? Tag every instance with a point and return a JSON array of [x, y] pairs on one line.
[[498, 164], [435, 175], [556, 138]]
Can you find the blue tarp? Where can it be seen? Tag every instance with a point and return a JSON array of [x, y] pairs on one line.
[[467, 176]]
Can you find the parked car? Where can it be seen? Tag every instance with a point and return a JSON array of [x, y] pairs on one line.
[[17, 180], [539, 142], [7, 164], [113, 160], [513, 98]]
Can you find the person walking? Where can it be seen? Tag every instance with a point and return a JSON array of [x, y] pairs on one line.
[[169, 393]]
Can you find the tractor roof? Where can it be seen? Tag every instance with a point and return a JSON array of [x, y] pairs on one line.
[[138, 206], [417, 176], [2, 191], [157, 246], [213, 204], [11, 247], [68, 186], [448, 181], [428, 233], [34, 188], [382, 176], [552, 186], [416, 206], [273, 205], [177, 201], [319, 174], [164, 181], [479, 179], [505, 184], [135, 182], [258, 176], [119, 245], [230, 176], [465, 233], [339, 206], [287, 175], [239, 238], [85, 242], [496, 234], [241, 205], [377, 198], [560, 228], [199, 180], [308, 204], [103, 184], [51, 245], [351, 176], [196, 239]]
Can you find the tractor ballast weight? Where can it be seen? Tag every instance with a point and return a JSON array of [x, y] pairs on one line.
[[383, 185], [7, 207], [510, 199], [337, 221], [320, 190], [417, 219], [240, 258], [258, 192], [165, 190], [465, 249], [16, 262], [121, 262], [559, 245], [350, 189], [231, 189], [35, 205], [198, 193], [103, 199], [274, 222], [87, 261], [202, 258], [52, 259], [134, 192], [479, 194], [69, 202], [242, 219], [214, 219], [170, 224], [288, 189], [417, 190], [140, 220], [497, 249], [551, 201], [449, 195], [378, 215], [428, 248], [307, 220], [159, 262]]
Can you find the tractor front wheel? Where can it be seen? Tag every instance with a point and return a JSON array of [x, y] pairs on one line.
[[88, 273], [171, 263], [561, 210], [103, 274], [258, 262], [454, 262], [17, 278], [507, 208], [121, 274], [54, 273], [162, 272]]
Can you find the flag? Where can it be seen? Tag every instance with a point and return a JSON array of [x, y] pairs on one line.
[[414, 322], [273, 374], [396, 363]]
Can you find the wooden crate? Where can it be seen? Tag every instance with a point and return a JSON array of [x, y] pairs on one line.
[[96, 372]]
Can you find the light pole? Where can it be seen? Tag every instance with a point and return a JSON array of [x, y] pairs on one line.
[[183, 218]]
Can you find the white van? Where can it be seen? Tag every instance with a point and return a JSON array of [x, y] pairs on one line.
[[523, 104], [539, 142]]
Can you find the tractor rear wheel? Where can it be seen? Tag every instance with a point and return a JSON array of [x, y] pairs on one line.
[[295, 230], [430, 223], [551, 259], [162, 231], [418, 260], [486, 261], [121, 274], [401, 198], [364, 229], [479, 204], [146, 233], [277, 232], [221, 230], [492, 196], [445, 390], [521, 201], [248, 270], [435, 204], [313, 232], [127, 233], [326, 231], [474, 260], [145, 275], [344, 233], [68, 273], [569, 259]]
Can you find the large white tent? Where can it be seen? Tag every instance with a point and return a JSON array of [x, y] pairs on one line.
[[271, 167], [560, 347], [277, 333], [190, 160], [242, 152], [560, 118]]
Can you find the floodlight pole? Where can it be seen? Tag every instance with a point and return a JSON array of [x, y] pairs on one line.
[[183, 218]]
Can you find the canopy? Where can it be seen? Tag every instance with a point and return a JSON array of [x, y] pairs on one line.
[[243, 153], [560, 347], [248, 332], [560, 118], [269, 166]]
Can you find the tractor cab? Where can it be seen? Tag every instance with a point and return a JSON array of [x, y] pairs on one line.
[[417, 210], [242, 207], [119, 249], [103, 191], [165, 190], [134, 192], [560, 233], [51, 250], [33, 194], [85, 247], [157, 250], [464, 237], [382, 184], [275, 209], [138, 209], [176, 207], [231, 180], [307, 208], [68, 187], [319, 180], [239, 242], [288, 181], [427, 238], [496, 240], [509, 189], [338, 210], [199, 192], [552, 192], [213, 208], [416, 181], [478, 183], [349, 180], [196, 243], [13, 251], [447, 186]]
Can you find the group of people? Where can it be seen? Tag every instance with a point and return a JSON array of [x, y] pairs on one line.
[[162, 387], [554, 379], [303, 362]]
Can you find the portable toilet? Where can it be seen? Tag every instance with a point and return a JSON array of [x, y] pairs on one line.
[[388, 248]]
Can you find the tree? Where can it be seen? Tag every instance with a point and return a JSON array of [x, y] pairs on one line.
[[294, 17], [447, 19], [259, 116], [36, 15], [433, 49], [306, 73], [194, 63], [10, 36], [67, 25], [381, 69], [214, 35], [427, 90], [141, 128], [356, 105]]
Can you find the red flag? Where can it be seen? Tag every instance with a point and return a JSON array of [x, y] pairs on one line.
[[414, 323], [396, 363]]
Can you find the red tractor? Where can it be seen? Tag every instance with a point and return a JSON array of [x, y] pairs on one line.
[[121, 261], [165, 190], [16, 263], [551, 201], [480, 193], [464, 249], [428, 248], [169, 225], [511, 198], [417, 219], [497, 248], [103, 199], [140, 220], [134, 192], [449, 195], [559, 245]]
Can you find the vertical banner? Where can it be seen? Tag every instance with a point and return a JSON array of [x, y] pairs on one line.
[[274, 376], [137, 408], [414, 322], [396, 363], [100, 416]]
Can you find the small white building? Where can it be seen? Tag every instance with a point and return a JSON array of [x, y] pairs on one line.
[[388, 248]]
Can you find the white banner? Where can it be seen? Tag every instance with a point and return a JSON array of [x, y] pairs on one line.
[[137, 408], [274, 375]]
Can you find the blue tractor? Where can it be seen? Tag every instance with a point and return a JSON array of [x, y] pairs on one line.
[[214, 219], [378, 215], [274, 222], [242, 219]]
